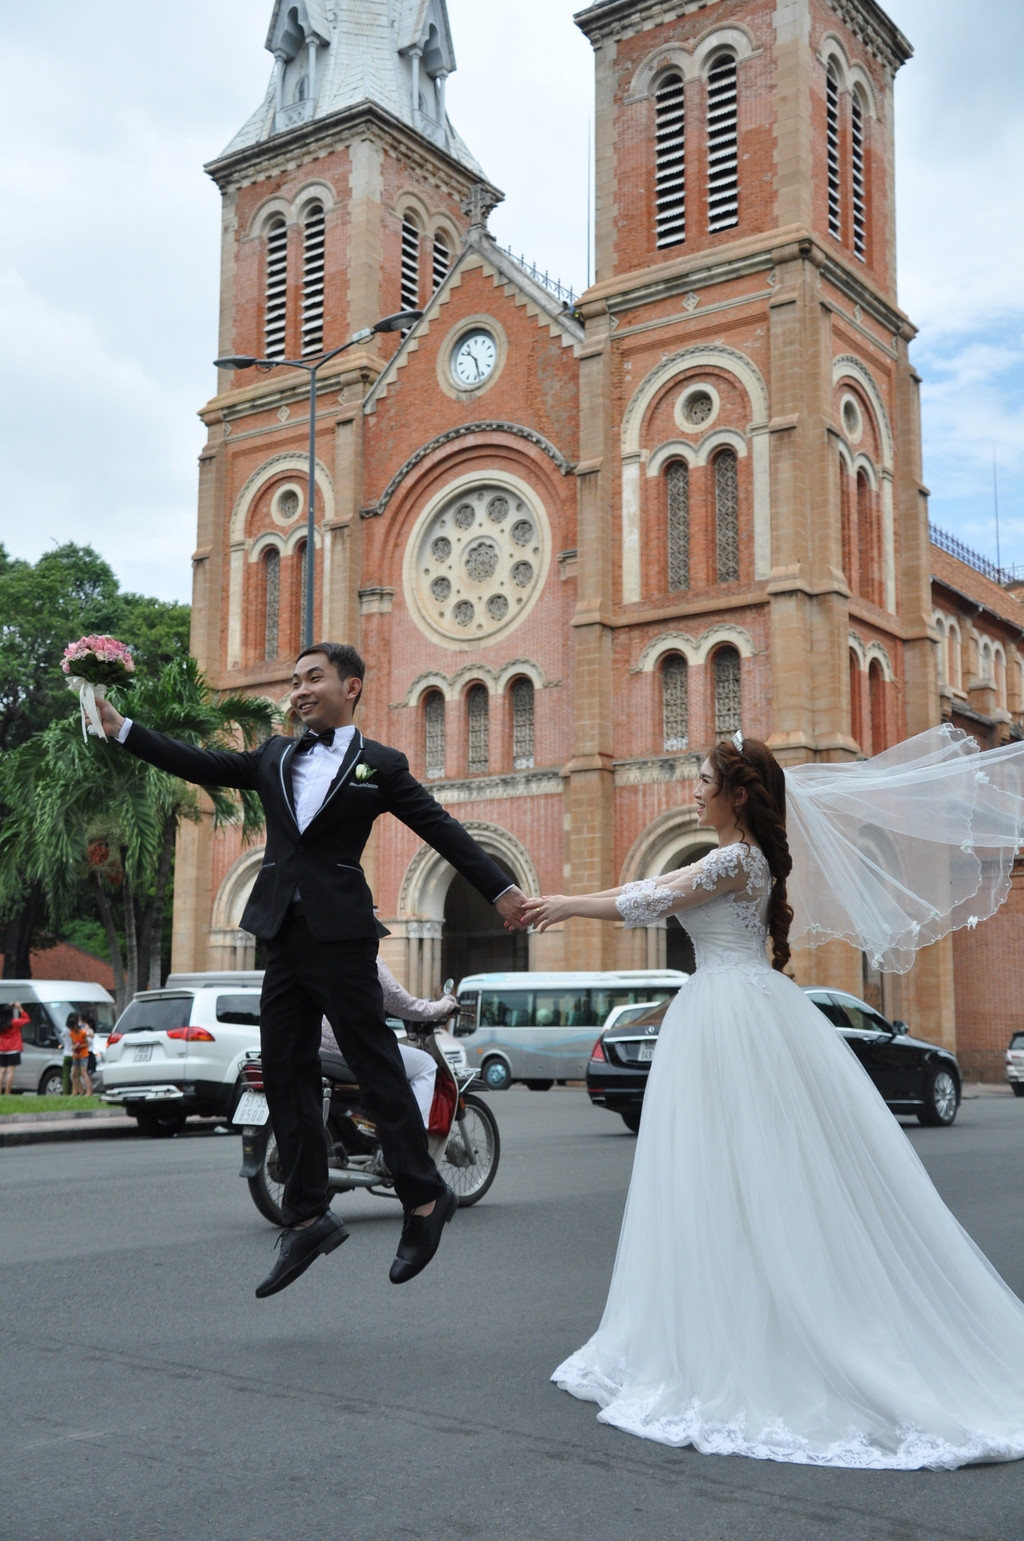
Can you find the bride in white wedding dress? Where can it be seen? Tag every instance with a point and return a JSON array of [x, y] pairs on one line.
[[788, 1283]]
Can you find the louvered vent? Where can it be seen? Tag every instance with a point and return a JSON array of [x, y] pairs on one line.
[[723, 145], [313, 281], [276, 295], [670, 161]]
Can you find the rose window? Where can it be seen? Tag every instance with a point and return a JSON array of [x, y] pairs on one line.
[[475, 565]]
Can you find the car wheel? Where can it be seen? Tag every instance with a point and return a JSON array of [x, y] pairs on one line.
[[941, 1099], [540, 1086], [159, 1123], [496, 1074], [631, 1120], [1018, 1088], [52, 1084]]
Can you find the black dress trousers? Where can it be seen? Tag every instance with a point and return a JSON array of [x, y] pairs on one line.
[[307, 979]]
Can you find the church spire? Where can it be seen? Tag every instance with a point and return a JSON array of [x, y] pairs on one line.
[[331, 55]]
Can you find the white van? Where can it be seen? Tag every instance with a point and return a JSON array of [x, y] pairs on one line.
[[540, 1028], [48, 1003]]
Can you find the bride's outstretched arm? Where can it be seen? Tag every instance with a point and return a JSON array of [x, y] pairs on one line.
[[550, 909], [721, 871]]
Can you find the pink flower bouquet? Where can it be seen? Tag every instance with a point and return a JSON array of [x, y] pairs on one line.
[[92, 664]]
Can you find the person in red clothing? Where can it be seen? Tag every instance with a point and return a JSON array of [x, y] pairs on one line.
[[12, 1020]]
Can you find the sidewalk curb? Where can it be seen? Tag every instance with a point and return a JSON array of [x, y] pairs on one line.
[[82, 1128]]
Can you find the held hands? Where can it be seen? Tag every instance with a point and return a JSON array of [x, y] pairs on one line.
[[547, 911], [510, 907], [110, 718]]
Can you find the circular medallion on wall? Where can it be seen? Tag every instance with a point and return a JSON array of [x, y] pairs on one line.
[[697, 408], [477, 560]]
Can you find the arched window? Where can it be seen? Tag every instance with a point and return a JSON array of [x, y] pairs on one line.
[[675, 703], [300, 578], [846, 527], [478, 714], [677, 494], [999, 673], [723, 145], [271, 602], [442, 260], [956, 678], [313, 280], [835, 184], [857, 701], [670, 161], [410, 264], [942, 651], [727, 515], [433, 734], [876, 702], [728, 703], [870, 535], [522, 724], [276, 290], [857, 163]]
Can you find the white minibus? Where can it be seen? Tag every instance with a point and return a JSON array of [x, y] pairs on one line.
[[540, 1028]]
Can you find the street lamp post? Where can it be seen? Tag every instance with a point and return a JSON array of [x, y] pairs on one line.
[[399, 322]]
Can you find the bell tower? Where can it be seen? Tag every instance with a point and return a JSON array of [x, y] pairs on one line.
[[342, 202], [751, 509]]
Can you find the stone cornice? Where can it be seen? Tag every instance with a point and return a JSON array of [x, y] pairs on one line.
[[313, 140], [515, 430], [617, 19], [542, 783], [879, 34]]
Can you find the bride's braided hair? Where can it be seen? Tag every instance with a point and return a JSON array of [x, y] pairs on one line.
[[756, 770]]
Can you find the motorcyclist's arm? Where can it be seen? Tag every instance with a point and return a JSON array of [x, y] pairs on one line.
[[399, 1003]]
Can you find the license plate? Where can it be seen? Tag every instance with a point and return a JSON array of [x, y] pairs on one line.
[[143, 1053], [645, 1053], [251, 1109]]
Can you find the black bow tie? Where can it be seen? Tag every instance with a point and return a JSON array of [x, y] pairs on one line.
[[309, 738]]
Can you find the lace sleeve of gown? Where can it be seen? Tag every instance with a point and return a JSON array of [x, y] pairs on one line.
[[646, 901]]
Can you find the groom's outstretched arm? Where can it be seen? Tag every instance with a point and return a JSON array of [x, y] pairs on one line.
[[413, 804], [205, 767]]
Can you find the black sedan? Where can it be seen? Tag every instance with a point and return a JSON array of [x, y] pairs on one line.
[[913, 1076]]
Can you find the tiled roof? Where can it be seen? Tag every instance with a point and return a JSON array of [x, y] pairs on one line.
[[967, 581], [66, 962]]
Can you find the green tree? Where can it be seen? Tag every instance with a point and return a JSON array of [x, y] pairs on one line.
[[69, 592], [89, 813]]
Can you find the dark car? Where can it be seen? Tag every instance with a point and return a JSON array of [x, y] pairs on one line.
[[913, 1076]]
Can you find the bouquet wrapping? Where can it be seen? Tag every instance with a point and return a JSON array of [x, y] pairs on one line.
[[92, 664]]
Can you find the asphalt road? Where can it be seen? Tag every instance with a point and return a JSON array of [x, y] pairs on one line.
[[147, 1394]]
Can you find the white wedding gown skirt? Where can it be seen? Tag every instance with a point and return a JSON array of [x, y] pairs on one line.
[[789, 1284]]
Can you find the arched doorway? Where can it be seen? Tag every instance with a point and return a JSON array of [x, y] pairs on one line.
[[474, 940], [678, 947]]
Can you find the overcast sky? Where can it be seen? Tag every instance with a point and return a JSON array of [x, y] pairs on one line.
[[109, 264]]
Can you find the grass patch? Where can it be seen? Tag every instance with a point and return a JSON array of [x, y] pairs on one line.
[[29, 1103]]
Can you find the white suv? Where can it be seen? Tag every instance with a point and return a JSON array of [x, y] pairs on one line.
[[179, 1051]]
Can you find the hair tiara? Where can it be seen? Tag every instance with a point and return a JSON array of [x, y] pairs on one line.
[[737, 739]]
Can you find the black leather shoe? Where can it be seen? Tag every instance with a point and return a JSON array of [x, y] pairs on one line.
[[299, 1248], [421, 1236]]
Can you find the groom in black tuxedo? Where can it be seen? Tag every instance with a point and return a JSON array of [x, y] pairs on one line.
[[312, 906]]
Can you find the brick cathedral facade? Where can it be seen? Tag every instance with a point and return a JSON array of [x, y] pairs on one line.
[[577, 544]]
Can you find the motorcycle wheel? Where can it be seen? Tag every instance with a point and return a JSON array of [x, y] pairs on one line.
[[267, 1186], [470, 1181]]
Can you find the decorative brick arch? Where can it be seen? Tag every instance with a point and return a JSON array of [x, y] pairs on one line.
[[429, 876], [746, 373]]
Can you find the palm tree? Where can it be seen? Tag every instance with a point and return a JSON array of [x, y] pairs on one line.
[[88, 812]]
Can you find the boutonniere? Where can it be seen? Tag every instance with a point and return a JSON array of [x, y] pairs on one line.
[[363, 772]]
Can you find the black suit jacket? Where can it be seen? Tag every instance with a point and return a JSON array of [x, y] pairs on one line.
[[322, 862]]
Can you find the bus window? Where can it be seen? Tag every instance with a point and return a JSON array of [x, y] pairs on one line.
[[550, 1008], [506, 1008]]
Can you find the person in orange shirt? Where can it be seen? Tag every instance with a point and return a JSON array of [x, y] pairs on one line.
[[81, 1084]]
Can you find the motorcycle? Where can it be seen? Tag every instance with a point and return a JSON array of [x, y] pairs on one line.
[[467, 1159]]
